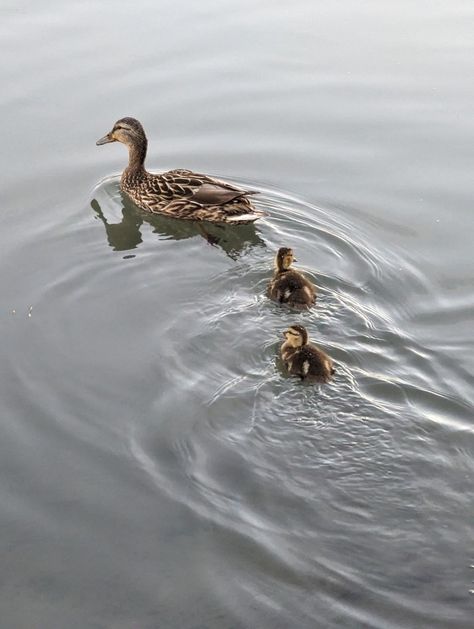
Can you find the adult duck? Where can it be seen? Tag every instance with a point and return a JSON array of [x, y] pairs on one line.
[[177, 193]]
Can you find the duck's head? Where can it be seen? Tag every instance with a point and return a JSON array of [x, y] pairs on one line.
[[296, 335], [284, 258], [129, 131]]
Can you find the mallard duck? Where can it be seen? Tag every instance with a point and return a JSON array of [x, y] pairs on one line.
[[289, 286], [304, 359], [177, 193]]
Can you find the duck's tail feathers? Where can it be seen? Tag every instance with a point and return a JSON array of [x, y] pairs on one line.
[[249, 217]]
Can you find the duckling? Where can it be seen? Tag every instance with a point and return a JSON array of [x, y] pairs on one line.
[[289, 286], [178, 193], [304, 359]]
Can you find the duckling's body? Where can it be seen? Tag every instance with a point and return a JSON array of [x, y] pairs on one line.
[[177, 193], [289, 286], [304, 359]]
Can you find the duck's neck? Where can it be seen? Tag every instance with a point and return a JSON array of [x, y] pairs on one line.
[[136, 156], [279, 269], [288, 348]]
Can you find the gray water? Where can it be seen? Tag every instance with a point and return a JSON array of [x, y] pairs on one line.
[[157, 467]]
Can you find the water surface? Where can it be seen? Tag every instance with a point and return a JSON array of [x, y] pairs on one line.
[[157, 467]]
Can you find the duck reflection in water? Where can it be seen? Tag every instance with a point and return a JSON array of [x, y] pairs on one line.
[[126, 235]]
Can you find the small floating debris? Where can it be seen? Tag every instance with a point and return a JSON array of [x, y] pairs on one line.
[[30, 310], [13, 311]]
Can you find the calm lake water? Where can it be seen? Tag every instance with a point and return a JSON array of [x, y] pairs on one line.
[[158, 470]]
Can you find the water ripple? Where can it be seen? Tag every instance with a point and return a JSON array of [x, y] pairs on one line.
[[260, 452]]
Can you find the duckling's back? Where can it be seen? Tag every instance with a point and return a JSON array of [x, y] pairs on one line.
[[292, 288], [312, 363]]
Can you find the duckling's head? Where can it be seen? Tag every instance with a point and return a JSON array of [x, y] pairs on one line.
[[126, 130], [296, 335], [284, 258]]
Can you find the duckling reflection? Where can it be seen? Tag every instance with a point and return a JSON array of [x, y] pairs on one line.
[[126, 234], [304, 359]]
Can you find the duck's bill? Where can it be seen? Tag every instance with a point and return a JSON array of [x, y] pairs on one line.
[[105, 140]]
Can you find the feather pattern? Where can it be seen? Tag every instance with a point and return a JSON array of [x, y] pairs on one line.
[[187, 195], [304, 359], [289, 286], [178, 193]]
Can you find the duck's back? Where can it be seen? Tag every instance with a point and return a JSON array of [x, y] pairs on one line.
[[188, 195], [311, 362], [291, 287]]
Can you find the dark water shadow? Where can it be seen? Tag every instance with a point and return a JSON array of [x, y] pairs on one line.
[[127, 233]]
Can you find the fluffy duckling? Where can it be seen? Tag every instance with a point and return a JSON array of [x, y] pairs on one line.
[[177, 193], [304, 359], [289, 286]]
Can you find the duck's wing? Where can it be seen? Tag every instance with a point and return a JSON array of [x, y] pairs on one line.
[[214, 194], [203, 189], [319, 363]]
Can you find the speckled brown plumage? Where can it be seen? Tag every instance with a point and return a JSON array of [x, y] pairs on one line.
[[304, 359], [289, 286], [177, 193]]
